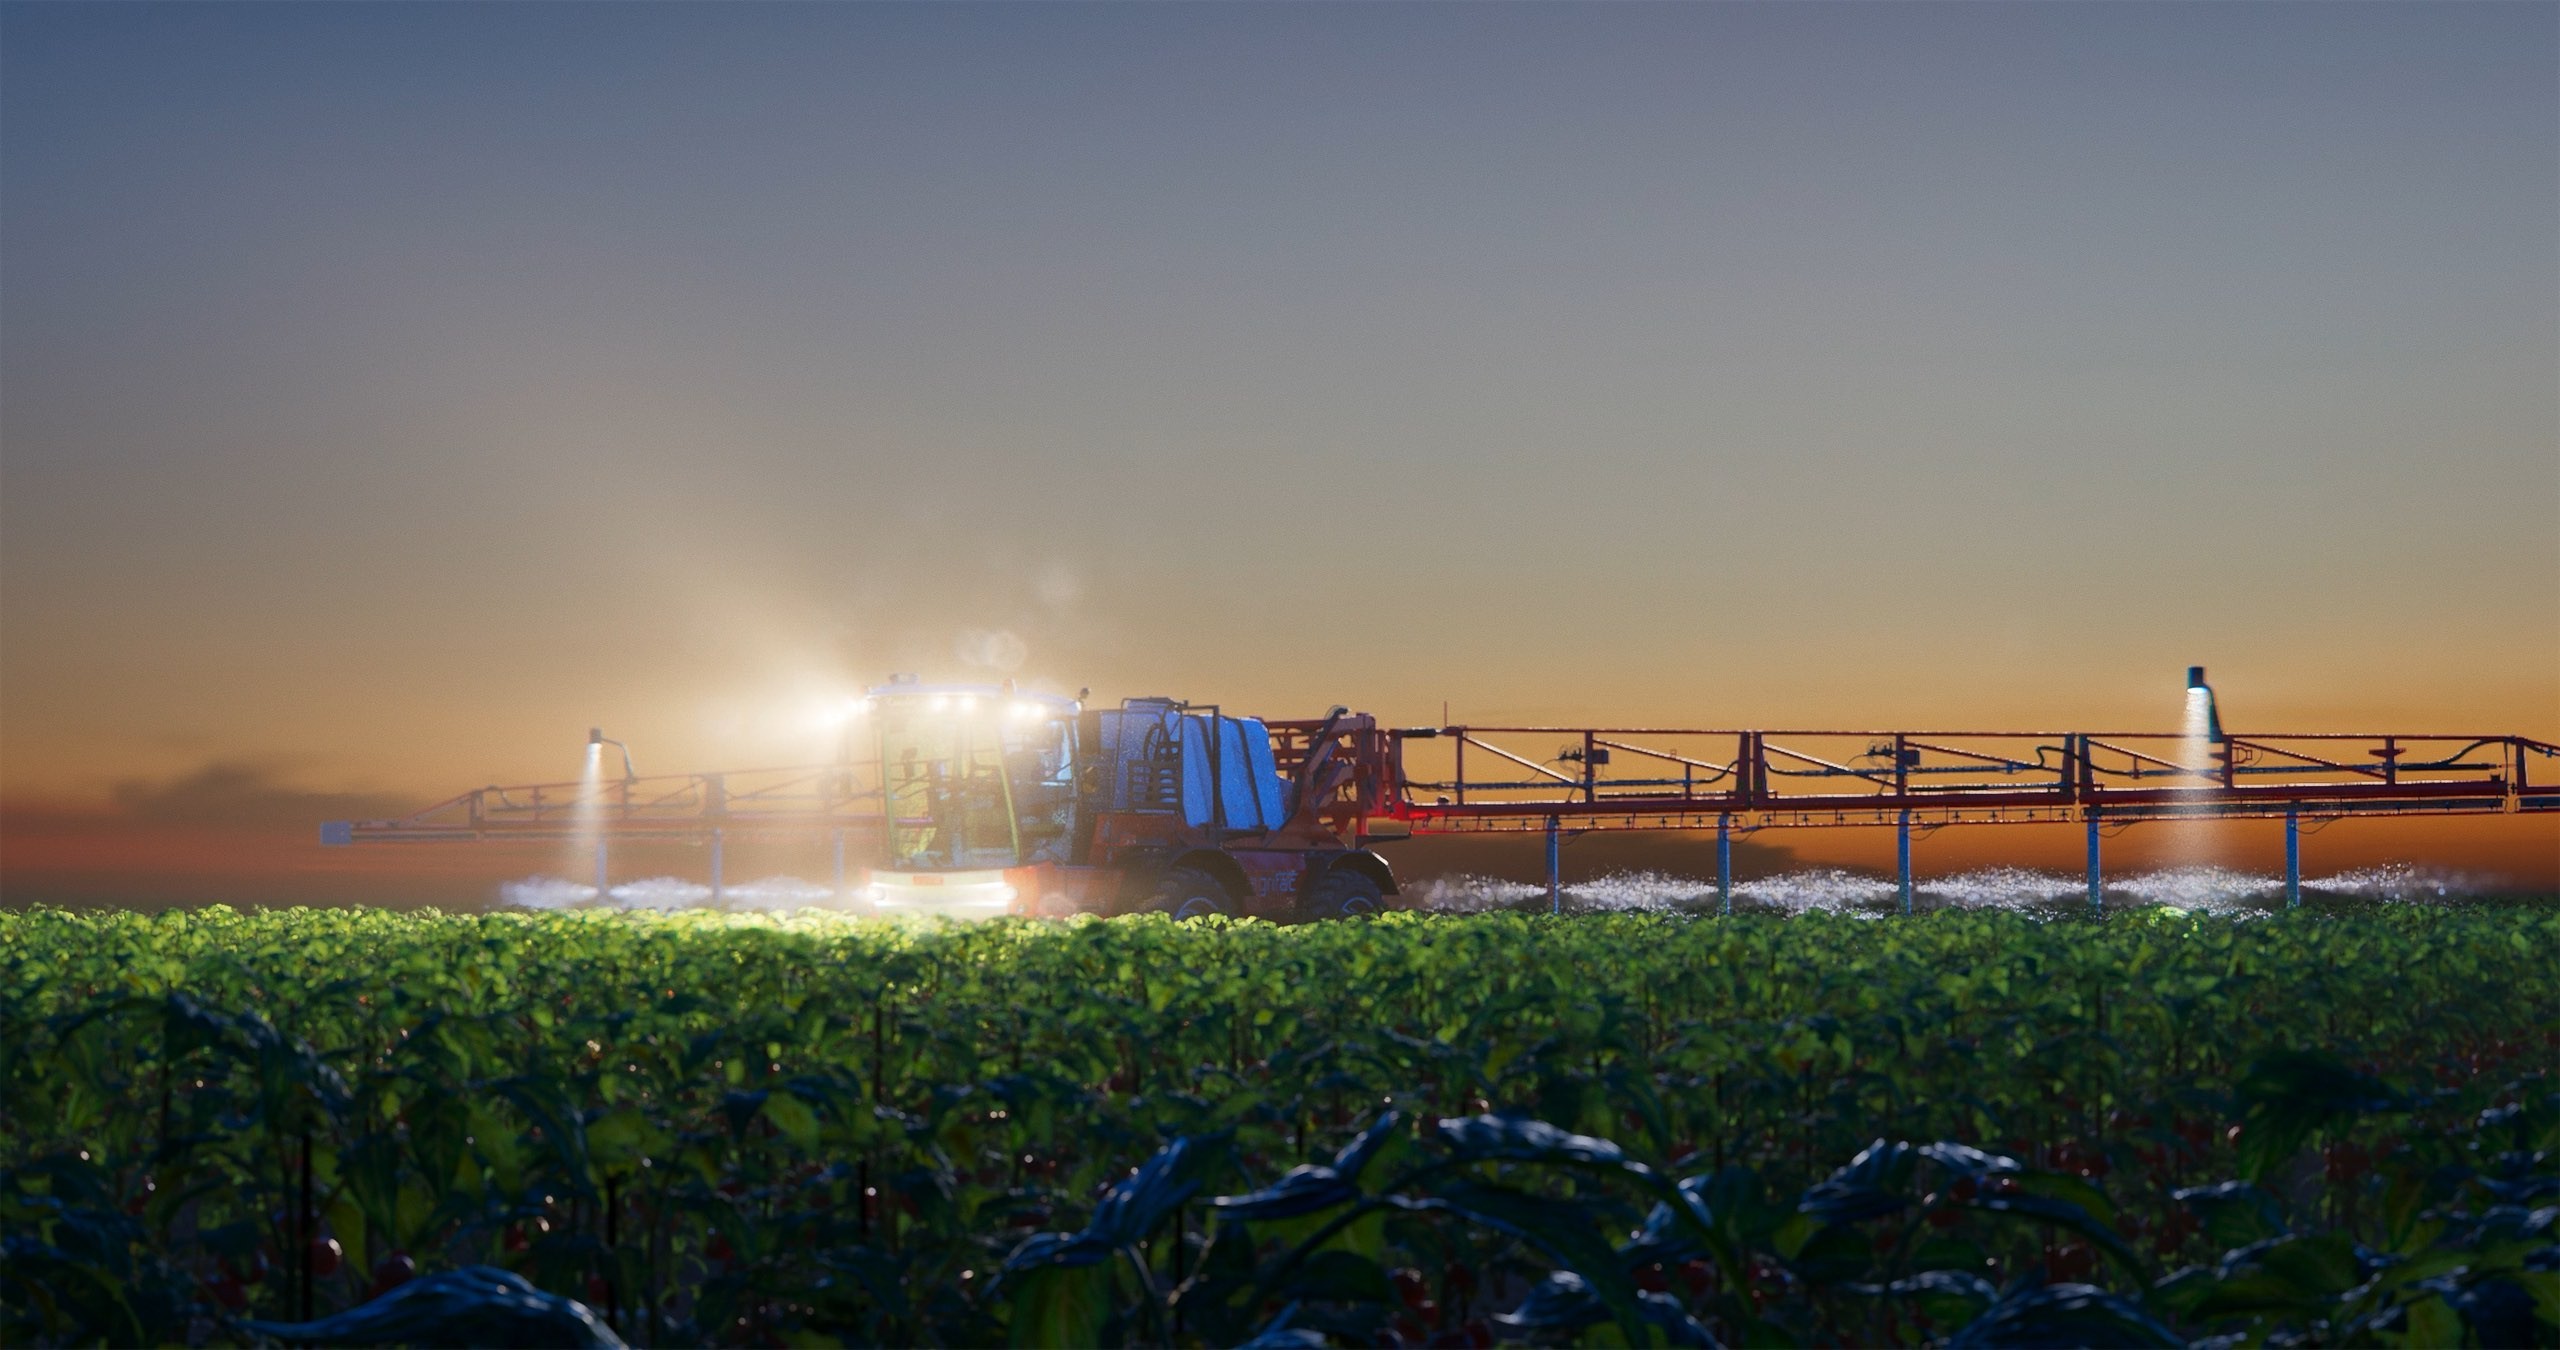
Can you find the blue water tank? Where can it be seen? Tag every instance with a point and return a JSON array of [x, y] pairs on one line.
[[1229, 780]]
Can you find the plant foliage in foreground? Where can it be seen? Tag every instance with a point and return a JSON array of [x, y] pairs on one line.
[[1969, 1129]]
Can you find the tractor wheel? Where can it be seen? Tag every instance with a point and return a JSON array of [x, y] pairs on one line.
[[1189, 893], [1342, 893]]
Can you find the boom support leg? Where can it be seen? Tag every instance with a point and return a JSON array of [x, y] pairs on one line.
[[1555, 869], [2097, 889], [1902, 858], [1724, 866], [2292, 860]]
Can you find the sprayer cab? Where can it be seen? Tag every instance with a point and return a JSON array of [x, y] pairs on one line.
[[974, 776]]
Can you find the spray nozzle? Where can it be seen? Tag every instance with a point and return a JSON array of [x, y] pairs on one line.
[[2212, 714], [597, 739]]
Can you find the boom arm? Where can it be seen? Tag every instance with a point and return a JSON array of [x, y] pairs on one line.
[[1354, 777], [1660, 778]]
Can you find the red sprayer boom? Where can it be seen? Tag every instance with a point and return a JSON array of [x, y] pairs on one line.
[[970, 799]]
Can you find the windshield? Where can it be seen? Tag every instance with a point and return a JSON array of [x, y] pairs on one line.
[[976, 782]]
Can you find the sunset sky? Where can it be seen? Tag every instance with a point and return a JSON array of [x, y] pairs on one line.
[[389, 393]]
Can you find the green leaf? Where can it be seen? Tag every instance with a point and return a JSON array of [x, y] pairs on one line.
[[347, 1223], [1838, 1252], [474, 1306], [2074, 1190], [2253, 1293], [2063, 1314], [2232, 1213], [1794, 1234], [2323, 1267], [1519, 1139], [2544, 1285], [2290, 1094], [2433, 1322], [1060, 1306], [1339, 1277], [2063, 1214], [794, 1119], [1566, 1231], [619, 1139]]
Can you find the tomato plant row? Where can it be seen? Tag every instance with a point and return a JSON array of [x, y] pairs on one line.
[[816, 1130]]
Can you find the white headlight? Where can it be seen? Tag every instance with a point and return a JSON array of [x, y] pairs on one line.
[[959, 895]]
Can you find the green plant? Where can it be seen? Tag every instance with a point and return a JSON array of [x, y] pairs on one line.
[[819, 1130]]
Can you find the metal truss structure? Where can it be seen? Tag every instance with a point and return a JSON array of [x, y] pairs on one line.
[[1564, 781], [1496, 778], [797, 802]]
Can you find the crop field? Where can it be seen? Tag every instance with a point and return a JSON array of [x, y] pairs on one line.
[[1970, 1128]]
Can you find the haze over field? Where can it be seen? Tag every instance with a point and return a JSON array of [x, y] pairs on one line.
[[392, 393]]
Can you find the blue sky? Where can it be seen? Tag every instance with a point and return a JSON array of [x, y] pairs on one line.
[[390, 387]]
